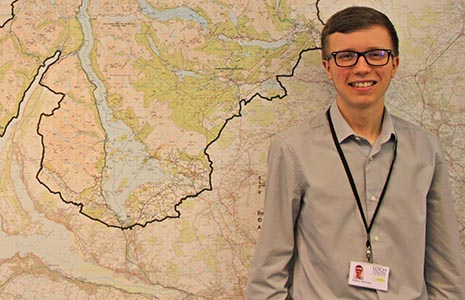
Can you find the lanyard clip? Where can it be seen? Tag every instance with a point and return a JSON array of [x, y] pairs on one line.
[[369, 251]]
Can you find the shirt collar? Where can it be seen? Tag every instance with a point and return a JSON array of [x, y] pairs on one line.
[[344, 131]]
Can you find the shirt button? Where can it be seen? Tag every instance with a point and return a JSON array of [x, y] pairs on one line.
[[373, 198], [377, 238]]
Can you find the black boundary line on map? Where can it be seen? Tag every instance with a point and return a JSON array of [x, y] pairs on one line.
[[3, 131], [42, 65], [242, 104], [12, 13], [317, 6]]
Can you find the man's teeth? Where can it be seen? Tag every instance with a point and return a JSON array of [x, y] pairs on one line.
[[363, 84]]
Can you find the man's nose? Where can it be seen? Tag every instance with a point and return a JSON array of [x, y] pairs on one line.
[[362, 65]]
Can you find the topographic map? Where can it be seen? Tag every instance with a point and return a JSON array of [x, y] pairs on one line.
[[134, 133]]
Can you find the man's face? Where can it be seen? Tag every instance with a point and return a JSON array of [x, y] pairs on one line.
[[358, 272], [362, 85]]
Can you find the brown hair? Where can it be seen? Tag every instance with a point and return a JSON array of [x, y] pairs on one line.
[[356, 18]]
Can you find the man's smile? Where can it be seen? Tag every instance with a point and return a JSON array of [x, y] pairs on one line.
[[362, 84]]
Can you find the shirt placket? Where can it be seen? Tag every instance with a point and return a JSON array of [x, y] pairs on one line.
[[376, 170]]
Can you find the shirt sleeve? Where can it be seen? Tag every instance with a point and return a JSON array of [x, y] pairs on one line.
[[270, 272], [443, 263]]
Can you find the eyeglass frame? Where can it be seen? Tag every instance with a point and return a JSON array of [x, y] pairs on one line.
[[359, 54]]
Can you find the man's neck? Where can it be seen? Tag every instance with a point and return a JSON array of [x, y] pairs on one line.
[[365, 122]]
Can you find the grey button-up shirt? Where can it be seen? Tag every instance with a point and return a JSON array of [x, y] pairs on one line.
[[312, 228]]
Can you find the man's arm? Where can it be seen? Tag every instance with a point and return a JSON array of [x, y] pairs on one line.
[[443, 263], [269, 276]]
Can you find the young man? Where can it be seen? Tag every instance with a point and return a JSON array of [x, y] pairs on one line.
[[356, 186]]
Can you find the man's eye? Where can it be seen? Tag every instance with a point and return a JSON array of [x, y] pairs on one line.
[[377, 54], [346, 56]]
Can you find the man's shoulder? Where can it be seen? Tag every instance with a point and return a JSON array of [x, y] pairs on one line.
[[408, 127], [413, 133]]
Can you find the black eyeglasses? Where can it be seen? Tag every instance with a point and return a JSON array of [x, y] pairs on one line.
[[375, 57]]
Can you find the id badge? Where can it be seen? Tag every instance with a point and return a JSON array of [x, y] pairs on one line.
[[367, 275]]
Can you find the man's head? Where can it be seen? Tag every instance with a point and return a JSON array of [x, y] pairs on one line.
[[360, 56], [358, 272], [356, 18]]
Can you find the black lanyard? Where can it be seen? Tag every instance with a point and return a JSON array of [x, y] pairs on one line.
[[368, 227]]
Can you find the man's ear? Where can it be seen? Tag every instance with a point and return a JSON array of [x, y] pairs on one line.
[[395, 65], [327, 67]]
